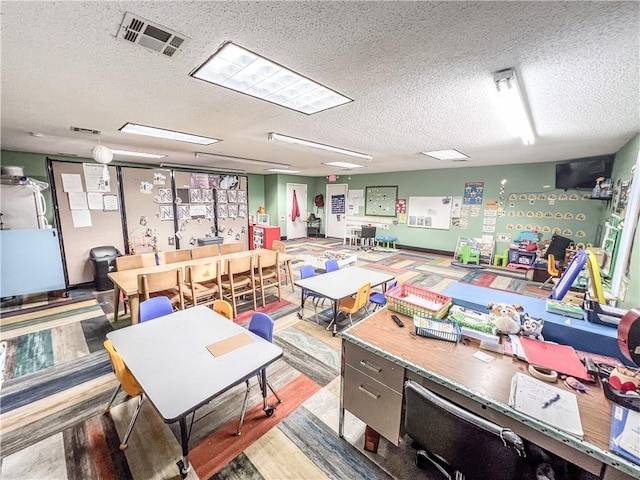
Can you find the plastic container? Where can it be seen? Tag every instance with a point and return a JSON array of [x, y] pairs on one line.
[[104, 261], [410, 300], [203, 242], [435, 328]]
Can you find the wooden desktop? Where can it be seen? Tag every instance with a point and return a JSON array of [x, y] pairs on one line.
[[378, 356]]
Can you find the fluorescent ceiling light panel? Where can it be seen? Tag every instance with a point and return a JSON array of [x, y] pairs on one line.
[[168, 134], [344, 165], [449, 154], [321, 146], [512, 105], [227, 158], [246, 72], [137, 154], [281, 170]]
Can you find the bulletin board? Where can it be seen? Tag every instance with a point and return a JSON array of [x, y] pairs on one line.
[[88, 214], [429, 212], [380, 201]]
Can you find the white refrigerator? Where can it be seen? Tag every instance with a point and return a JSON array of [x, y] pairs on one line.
[[22, 205]]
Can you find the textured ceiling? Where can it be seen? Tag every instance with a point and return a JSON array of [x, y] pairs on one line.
[[419, 74]]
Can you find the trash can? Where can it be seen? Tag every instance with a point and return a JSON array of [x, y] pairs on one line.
[[104, 261], [203, 242]]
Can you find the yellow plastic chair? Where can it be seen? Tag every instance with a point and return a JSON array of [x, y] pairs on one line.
[[351, 305], [224, 308], [501, 259], [552, 270], [127, 383], [466, 255]]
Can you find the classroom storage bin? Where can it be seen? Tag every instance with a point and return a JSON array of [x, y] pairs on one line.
[[434, 328], [410, 300]]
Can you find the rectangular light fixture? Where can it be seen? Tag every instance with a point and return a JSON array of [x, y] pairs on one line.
[[281, 170], [168, 134], [128, 153], [513, 106], [307, 143], [201, 169], [246, 72], [449, 154], [227, 158], [343, 165]]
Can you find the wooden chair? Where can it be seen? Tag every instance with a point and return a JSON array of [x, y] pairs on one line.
[[351, 305], [268, 273], [129, 262], [173, 256], [231, 248], [203, 284], [169, 284], [204, 252], [240, 281], [285, 266], [223, 307]]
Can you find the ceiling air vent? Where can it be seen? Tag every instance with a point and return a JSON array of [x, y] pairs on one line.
[[84, 130], [147, 34]]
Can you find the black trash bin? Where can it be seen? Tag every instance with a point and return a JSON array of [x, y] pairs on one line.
[[104, 261]]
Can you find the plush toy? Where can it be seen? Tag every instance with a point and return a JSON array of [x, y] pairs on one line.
[[505, 317], [532, 327]]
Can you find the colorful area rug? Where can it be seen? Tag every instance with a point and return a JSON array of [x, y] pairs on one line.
[[497, 282]]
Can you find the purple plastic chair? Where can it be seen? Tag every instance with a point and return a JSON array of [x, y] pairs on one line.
[[155, 307]]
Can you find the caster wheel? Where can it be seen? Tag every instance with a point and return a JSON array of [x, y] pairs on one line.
[[180, 465], [299, 315], [270, 411]]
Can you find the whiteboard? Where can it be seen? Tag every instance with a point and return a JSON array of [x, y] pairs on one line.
[[429, 212]]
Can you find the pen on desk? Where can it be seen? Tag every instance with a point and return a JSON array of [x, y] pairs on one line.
[[549, 402]]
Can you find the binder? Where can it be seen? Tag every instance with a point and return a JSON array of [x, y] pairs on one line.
[[551, 356]]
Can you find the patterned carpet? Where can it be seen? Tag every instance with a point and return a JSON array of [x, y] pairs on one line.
[[57, 380]]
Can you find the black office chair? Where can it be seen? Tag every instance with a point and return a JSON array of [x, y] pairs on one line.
[[367, 238], [457, 441]]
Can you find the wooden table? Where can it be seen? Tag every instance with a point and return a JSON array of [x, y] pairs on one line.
[[169, 359], [384, 355], [126, 281]]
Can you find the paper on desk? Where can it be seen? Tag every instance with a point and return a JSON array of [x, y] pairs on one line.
[[529, 396]]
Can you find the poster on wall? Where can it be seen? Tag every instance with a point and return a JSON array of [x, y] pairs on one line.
[[337, 204], [473, 193]]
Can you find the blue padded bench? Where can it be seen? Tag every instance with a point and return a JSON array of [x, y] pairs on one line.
[[386, 239], [580, 334]]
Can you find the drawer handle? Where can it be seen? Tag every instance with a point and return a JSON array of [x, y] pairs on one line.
[[369, 366], [375, 396]]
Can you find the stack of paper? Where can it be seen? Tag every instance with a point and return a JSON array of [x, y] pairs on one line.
[[625, 433], [544, 402]]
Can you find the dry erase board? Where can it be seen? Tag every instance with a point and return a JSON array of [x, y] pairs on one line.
[[380, 201], [429, 212]]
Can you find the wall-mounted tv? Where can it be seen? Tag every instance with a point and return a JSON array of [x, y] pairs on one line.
[[583, 172]]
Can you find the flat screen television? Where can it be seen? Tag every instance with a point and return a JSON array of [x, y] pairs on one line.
[[583, 172]]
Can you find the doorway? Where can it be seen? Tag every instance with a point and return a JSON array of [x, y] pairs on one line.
[[296, 227], [335, 221]]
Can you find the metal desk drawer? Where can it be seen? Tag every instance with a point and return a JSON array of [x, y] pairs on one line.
[[373, 403], [376, 367]]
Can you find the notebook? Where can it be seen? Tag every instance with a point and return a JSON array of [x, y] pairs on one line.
[[549, 404]]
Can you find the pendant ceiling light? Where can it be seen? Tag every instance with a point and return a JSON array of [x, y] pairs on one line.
[[102, 154]]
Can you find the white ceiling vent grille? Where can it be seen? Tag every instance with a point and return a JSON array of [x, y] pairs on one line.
[[85, 130], [147, 34]]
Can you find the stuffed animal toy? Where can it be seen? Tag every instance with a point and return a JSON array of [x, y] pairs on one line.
[[532, 327], [505, 317]]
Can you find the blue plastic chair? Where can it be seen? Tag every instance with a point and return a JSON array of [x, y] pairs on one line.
[[307, 271], [378, 298], [262, 325], [155, 307], [331, 265]]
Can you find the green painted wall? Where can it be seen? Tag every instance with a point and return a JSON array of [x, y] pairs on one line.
[[256, 192], [522, 180], [625, 160]]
